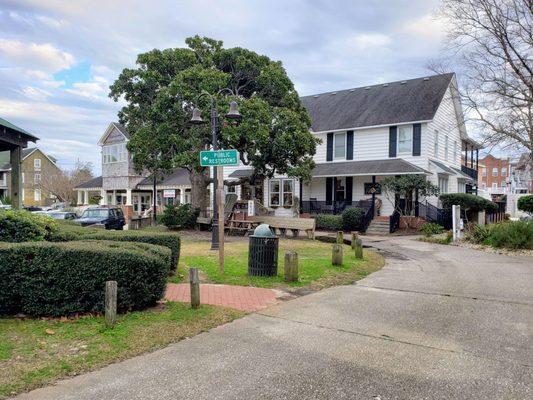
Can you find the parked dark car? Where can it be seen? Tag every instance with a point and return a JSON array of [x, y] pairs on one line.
[[110, 218]]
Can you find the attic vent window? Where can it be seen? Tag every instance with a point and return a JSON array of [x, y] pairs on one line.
[[352, 90], [426, 79], [385, 84], [334, 93], [315, 96], [367, 88], [403, 82]]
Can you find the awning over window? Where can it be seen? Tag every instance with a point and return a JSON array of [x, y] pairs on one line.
[[241, 173], [396, 166]]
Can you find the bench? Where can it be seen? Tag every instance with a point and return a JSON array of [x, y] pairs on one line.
[[282, 224], [241, 226]]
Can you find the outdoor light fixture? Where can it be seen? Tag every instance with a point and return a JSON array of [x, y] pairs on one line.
[[197, 116], [233, 112]]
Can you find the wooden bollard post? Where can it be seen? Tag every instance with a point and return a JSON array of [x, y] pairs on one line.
[[336, 254], [195, 287], [291, 266], [354, 239], [358, 248], [110, 303], [340, 237]]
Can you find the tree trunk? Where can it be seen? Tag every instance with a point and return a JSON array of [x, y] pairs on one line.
[[199, 184]]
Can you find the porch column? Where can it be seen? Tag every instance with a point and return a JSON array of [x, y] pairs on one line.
[[103, 194], [373, 196], [79, 202], [128, 197], [16, 178], [114, 199], [417, 208], [85, 197], [472, 157], [182, 195]]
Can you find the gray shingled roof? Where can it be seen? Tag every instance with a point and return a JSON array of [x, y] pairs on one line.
[[179, 177], [384, 104], [443, 167], [122, 129], [94, 183], [372, 167]]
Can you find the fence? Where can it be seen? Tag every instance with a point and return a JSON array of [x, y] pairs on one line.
[[434, 214], [492, 217]]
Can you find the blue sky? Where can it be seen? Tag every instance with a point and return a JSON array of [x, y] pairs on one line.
[[58, 58]]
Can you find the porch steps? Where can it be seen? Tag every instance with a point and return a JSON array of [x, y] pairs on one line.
[[379, 226]]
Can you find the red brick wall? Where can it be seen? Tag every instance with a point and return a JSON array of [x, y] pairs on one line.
[[489, 163]]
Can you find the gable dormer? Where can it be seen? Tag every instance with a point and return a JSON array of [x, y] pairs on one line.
[[115, 158]]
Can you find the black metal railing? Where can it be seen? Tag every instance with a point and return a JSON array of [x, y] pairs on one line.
[[394, 221], [471, 172], [434, 214], [333, 207]]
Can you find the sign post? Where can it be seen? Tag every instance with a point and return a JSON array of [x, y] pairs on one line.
[[219, 159]]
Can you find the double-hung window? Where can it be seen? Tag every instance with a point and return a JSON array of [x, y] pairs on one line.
[[37, 179], [37, 164], [37, 195], [455, 151], [114, 153], [495, 171], [339, 145], [405, 139], [446, 147], [281, 192], [436, 145], [443, 184], [504, 171]]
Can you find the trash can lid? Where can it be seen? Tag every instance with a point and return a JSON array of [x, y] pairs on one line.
[[263, 230]]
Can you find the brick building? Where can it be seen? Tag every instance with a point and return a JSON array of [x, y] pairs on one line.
[[494, 174]]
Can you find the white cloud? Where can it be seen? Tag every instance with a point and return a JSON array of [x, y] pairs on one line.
[[426, 26], [52, 22], [364, 41], [45, 56], [53, 83], [36, 94]]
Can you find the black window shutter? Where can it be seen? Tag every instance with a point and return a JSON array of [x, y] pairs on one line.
[[392, 140], [349, 145], [329, 190], [329, 150], [417, 139], [349, 188]]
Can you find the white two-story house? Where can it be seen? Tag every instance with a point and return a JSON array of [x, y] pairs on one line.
[[368, 133]]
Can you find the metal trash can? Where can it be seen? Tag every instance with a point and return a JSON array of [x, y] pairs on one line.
[[263, 252]]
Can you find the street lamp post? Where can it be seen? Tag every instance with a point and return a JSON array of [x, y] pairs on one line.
[[215, 126]]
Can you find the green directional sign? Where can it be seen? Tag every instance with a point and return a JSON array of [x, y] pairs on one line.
[[219, 158]]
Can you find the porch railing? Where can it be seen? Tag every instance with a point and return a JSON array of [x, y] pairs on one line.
[[471, 172], [434, 214], [333, 207]]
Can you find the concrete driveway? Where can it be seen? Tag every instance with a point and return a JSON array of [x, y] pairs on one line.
[[438, 322]]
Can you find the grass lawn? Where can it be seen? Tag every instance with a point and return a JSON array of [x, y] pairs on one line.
[[314, 259], [36, 352]]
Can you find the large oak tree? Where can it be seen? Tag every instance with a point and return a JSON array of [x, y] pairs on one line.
[[273, 136]]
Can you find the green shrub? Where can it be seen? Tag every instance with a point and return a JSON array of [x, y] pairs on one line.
[[56, 279], [475, 233], [70, 231], [525, 203], [23, 226], [511, 235], [431, 228], [182, 216], [166, 239], [352, 218], [468, 202], [328, 222]]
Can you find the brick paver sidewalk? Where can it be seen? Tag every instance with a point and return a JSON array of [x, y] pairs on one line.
[[243, 298]]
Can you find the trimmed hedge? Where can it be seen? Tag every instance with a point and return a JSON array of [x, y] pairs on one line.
[[467, 201], [352, 218], [57, 279], [328, 222], [70, 231], [22, 226], [525, 203], [180, 216]]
